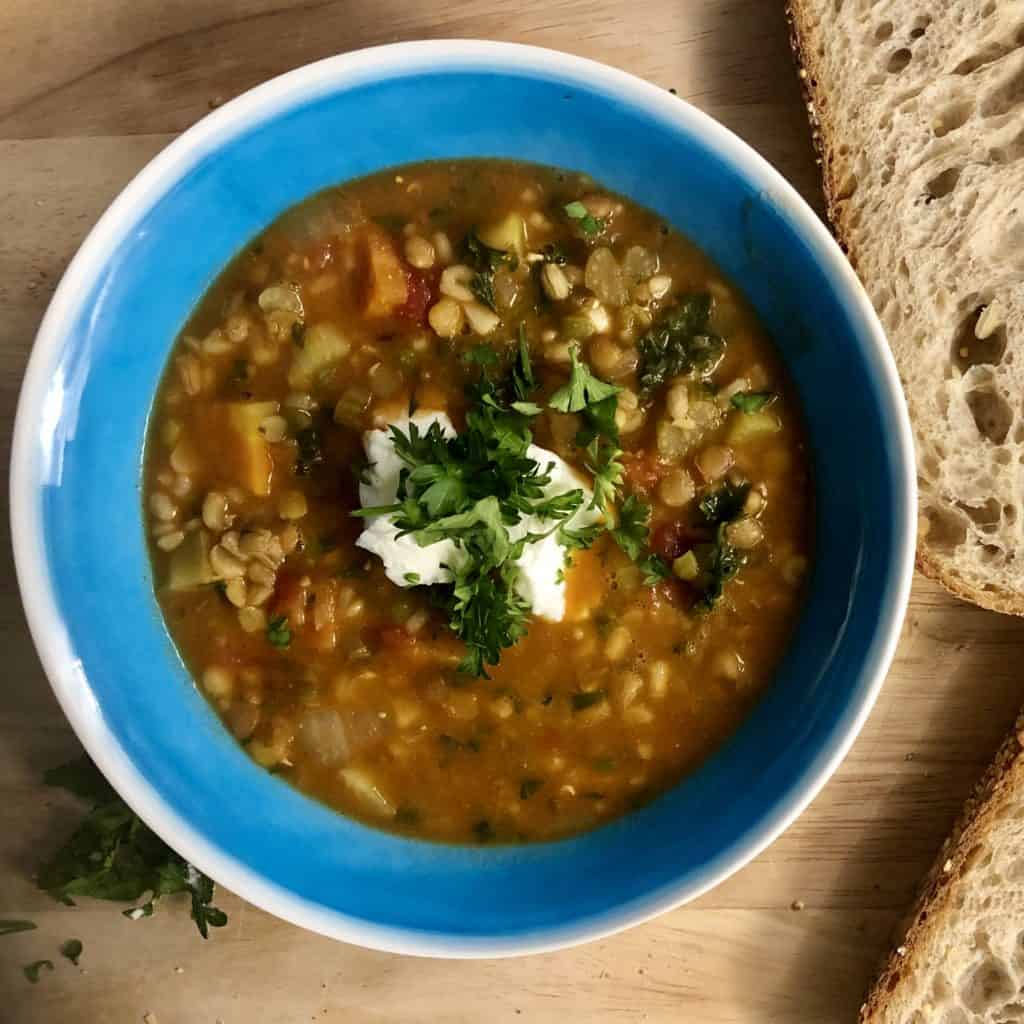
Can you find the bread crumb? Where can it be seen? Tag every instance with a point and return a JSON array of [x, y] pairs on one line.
[[908, 757], [947, 867], [149, 1018], [797, 905], [901, 950], [179, 970]]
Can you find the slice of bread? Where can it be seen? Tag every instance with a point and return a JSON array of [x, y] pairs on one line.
[[918, 114], [962, 958]]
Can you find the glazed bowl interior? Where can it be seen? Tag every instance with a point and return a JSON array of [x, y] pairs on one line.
[[79, 533]]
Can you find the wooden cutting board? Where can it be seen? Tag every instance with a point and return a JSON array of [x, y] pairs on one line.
[[88, 93]]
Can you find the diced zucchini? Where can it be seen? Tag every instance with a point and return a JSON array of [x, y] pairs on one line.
[[243, 454], [576, 328], [387, 286], [686, 567], [323, 347], [505, 235], [189, 565], [752, 426]]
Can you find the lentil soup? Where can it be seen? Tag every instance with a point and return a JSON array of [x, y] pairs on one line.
[[478, 501]]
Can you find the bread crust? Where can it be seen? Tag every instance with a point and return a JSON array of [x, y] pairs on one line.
[[833, 168], [1003, 779]]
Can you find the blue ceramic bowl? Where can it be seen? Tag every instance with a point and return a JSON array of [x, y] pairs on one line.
[[81, 553]]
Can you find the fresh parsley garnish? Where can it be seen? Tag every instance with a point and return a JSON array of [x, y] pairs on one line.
[[71, 950], [583, 390], [485, 261], [13, 927], [723, 504], [31, 971], [588, 224], [751, 401], [633, 535], [311, 453], [719, 561], [412, 578], [679, 343], [112, 855], [481, 355], [723, 562], [278, 632], [603, 461], [632, 532]]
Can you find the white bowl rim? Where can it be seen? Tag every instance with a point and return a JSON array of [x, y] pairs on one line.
[[48, 631]]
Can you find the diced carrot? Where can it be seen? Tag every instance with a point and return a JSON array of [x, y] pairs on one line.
[[386, 284], [243, 453]]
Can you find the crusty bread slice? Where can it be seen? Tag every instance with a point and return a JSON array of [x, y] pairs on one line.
[[918, 112], [962, 958]]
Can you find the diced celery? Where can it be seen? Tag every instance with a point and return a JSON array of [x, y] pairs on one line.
[[323, 347]]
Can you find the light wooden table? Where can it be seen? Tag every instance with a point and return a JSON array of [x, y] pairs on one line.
[[89, 91]]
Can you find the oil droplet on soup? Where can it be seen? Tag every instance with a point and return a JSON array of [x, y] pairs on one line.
[[530, 306]]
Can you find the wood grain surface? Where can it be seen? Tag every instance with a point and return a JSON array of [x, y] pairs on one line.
[[91, 90]]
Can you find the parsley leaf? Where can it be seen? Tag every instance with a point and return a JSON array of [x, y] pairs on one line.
[[654, 568], [31, 971], [480, 355], [679, 343], [579, 538], [412, 578], [751, 401], [583, 390], [602, 460], [311, 453], [721, 561], [112, 855], [13, 927], [72, 950], [485, 261], [723, 504], [631, 534], [588, 224], [278, 633]]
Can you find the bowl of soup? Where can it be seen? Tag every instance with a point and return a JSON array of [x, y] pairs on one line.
[[463, 499]]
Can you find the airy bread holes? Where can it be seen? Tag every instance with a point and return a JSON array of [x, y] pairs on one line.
[[898, 61], [969, 350], [987, 518], [946, 531], [987, 986], [943, 183], [883, 32], [992, 413]]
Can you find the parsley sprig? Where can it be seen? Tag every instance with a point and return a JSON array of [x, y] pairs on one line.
[[681, 342], [112, 855], [485, 261], [474, 488]]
